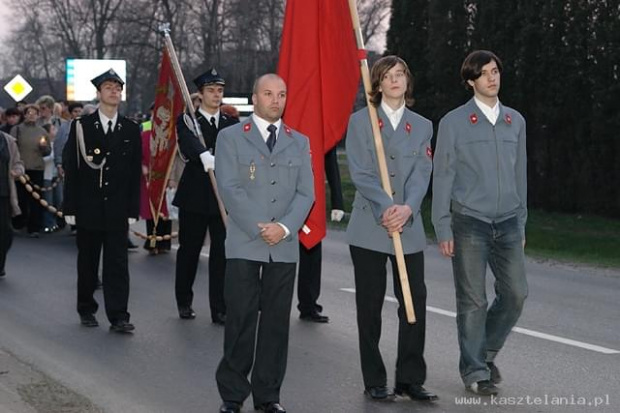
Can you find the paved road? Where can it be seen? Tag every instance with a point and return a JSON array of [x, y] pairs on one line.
[[168, 365]]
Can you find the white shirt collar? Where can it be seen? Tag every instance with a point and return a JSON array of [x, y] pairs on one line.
[[104, 121], [262, 125], [491, 113], [208, 116], [393, 115]]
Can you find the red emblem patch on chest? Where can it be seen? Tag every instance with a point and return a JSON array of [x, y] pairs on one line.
[[473, 118], [508, 119], [429, 152], [287, 130], [247, 127], [380, 123], [408, 127]]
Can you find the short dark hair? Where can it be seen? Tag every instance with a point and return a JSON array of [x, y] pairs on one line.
[[473, 63], [378, 71], [12, 112], [75, 105]]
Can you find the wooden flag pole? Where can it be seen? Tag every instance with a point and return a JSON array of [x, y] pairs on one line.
[[165, 30], [383, 171]]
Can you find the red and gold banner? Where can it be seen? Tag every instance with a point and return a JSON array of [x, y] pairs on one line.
[[163, 142]]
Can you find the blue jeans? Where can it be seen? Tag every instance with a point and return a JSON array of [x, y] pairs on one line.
[[481, 331]]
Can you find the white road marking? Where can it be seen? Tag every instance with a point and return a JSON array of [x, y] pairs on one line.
[[520, 330]]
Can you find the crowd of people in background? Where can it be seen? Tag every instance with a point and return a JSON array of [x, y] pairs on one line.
[[40, 131]]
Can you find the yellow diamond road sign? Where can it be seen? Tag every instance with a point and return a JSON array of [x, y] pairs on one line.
[[18, 88]]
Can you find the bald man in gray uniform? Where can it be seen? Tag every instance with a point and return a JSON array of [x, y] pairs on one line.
[[479, 213], [265, 179]]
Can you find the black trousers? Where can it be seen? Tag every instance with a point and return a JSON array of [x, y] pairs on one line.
[[115, 275], [370, 285], [309, 279], [32, 211], [258, 296], [192, 231], [6, 229]]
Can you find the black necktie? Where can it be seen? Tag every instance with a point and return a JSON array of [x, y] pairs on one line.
[[109, 128], [271, 140], [212, 120]]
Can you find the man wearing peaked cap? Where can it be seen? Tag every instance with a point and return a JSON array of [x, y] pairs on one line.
[[195, 198], [102, 164], [109, 75], [210, 77]]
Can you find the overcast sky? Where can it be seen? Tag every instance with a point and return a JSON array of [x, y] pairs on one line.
[[5, 27]]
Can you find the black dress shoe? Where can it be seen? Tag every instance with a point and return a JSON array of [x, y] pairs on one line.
[[88, 320], [122, 326], [230, 407], [379, 393], [270, 407], [186, 313], [131, 245], [415, 392], [2, 273], [219, 318], [314, 317]]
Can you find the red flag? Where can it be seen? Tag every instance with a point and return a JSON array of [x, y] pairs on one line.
[[318, 60], [168, 106]]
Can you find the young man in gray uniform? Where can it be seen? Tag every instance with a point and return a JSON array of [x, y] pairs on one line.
[[264, 176], [376, 216], [479, 213]]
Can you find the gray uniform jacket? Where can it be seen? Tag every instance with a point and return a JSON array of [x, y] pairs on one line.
[[480, 168], [258, 186], [409, 163]]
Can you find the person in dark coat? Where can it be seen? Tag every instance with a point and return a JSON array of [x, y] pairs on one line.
[[195, 198], [102, 164]]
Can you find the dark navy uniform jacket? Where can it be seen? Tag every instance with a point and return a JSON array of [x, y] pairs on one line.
[[195, 192], [103, 202]]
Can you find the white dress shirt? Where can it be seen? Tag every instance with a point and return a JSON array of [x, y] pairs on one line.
[[208, 116], [262, 125], [393, 115], [104, 121], [491, 113]]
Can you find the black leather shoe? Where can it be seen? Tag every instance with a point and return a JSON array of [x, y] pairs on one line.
[[122, 326], [270, 407], [219, 318], [379, 393], [496, 377], [131, 245], [2, 273], [314, 317], [415, 392], [230, 407], [88, 320], [186, 313]]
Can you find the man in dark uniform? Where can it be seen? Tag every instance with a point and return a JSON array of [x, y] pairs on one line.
[[198, 209], [102, 164], [310, 259]]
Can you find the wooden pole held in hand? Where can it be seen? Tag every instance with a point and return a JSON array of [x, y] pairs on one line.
[[383, 171]]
